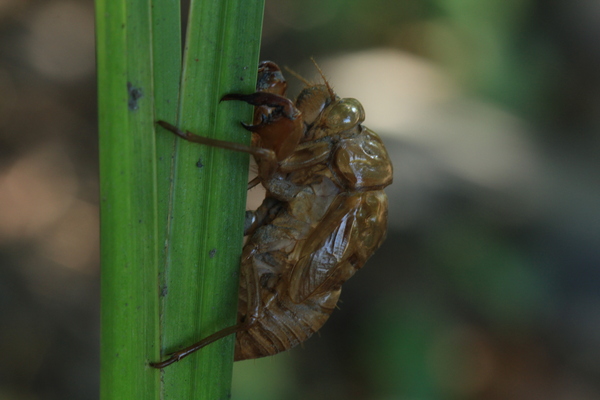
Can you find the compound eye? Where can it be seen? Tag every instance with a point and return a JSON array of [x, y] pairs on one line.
[[344, 115]]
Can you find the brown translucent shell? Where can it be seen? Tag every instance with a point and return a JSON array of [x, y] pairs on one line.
[[324, 214], [334, 217]]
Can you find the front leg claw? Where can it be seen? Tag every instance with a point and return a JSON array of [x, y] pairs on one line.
[[279, 103]]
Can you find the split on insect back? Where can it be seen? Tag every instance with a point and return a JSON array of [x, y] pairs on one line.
[[324, 214]]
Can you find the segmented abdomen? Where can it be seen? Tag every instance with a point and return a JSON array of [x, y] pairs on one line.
[[284, 325]]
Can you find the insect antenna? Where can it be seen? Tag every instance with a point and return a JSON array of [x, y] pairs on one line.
[[329, 88], [298, 76]]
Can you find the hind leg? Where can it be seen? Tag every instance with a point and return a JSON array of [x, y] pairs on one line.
[[252, 315]]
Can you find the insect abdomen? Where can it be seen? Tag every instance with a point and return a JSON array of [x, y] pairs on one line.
[[284, 325]]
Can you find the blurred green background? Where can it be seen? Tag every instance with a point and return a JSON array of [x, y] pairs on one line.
[[487, 287]]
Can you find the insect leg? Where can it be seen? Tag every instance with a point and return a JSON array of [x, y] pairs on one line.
[[197, 346], [253, 314], [253, 182], [259, 152], [280, 103], [264, 214], [277, 121], [266, 156]]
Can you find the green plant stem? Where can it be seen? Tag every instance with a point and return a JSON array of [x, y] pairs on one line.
[[204, 240], [129, 251], [171, 211]]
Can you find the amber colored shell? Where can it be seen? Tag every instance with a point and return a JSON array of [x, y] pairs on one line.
[[324, 214], [334, 217]]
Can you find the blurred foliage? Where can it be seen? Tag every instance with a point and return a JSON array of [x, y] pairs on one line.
[[489, 272], [487, 286]]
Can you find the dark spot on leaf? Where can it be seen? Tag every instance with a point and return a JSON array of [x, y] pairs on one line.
[[212, 253], [199, 164], [135, 94]]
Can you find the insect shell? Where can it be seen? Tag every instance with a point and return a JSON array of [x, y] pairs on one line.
[[324, 214]]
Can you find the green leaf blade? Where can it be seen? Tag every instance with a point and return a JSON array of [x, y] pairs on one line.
[[128, 201], [205, 242], [170, 229]]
